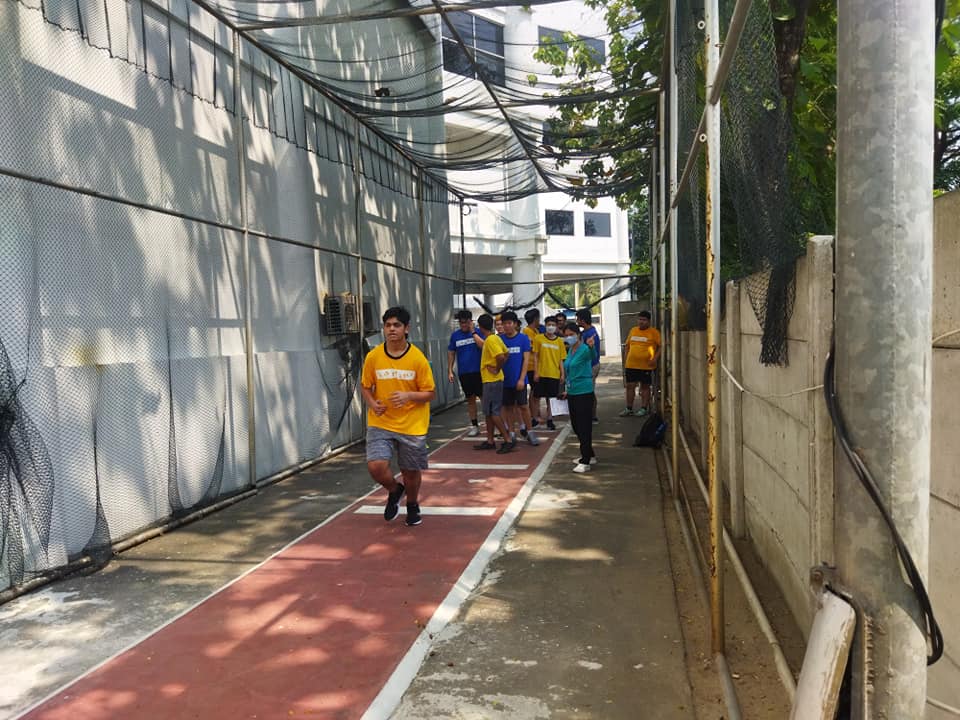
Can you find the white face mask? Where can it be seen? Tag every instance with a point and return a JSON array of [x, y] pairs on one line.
[[551, 330], [571, 340]]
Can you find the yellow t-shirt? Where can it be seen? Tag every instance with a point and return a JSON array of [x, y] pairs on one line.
[[550, 353], [492, 347], [642, 345], [408, 373], [531, 332]]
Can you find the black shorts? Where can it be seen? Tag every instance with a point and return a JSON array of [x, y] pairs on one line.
[[547, 388], [471, 384], [512, 396], [644, 377], [530, 378]]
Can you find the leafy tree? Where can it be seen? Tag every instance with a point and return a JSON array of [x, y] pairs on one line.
[[946, 139]]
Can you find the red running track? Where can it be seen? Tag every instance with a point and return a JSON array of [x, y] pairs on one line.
[[318, 629]]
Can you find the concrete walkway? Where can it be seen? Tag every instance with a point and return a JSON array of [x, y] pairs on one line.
[[576, 616]]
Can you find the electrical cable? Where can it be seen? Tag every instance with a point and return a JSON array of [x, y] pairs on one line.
[[932, 629]]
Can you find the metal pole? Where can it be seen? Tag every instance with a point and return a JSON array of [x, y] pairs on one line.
[[424, 284], [654, 234], [463, 260], [661, 249], [883, 330], [357, 200], [712, 115], [248, 345], [674, 272]]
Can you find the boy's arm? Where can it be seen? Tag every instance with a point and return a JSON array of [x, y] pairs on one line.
[[451, 354]]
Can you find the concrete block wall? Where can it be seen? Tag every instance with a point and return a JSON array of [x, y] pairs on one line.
[[944, 570]]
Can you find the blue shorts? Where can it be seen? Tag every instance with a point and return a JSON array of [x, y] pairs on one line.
[[411, 450]]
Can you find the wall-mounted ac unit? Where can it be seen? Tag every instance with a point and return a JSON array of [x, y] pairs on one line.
[[341, 316]]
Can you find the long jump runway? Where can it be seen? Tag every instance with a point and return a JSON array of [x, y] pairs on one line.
[[336, 624]]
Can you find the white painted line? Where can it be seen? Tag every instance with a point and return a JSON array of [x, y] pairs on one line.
[[475, 466], [392, 692], [200, 602], [430, 510]]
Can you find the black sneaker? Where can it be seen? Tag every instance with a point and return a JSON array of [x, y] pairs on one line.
[[550, 425], [523, 432], [506, 447], [413, 514], [534, 422], [392, 508]]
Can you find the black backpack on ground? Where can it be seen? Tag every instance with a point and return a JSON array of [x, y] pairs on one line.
[[652, 432]]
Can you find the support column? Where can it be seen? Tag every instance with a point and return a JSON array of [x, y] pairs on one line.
[[885, 74], [527, 278]]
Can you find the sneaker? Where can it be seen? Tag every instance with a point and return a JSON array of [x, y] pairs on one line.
[[523, 432], [593, 460], [392, 507], [626, 412], [581, 468], [534, 422], [641, 412], [532, 439], [473, 431], [550, 425], [413, 514], [485, 446], [507, 447]]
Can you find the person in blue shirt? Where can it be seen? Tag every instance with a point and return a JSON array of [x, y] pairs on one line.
[[579, 393], [591, 338], [465, 347], [515, 401]]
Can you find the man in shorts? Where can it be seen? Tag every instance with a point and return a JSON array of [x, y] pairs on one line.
[[398, 387], [549, 351], [492, 358], [532, 330], [515, 379], [464, 348], [643, 351]]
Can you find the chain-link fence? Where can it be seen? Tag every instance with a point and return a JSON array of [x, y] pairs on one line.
[[145, 225]]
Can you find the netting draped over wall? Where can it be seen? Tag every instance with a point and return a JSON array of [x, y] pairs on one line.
[[764, 221], [124, 395]]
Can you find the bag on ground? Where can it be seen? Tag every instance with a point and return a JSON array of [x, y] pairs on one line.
[[652, 432]]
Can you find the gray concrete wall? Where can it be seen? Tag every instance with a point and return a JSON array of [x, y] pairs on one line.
[[944, 572]]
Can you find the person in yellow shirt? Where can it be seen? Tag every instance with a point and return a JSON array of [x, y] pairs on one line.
[[398, 387], [492, 358], [643, 352], [532, 330], [548, 354]]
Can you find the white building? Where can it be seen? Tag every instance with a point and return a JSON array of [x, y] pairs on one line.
[[545, 236]]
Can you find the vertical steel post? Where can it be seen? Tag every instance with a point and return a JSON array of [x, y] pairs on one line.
[[712, 18], [661, 248], [357, 215], [463, 260], [652, 211], [674, 273], [248, 344], [885, 74]]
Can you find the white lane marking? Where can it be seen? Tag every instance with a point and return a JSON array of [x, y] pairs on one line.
[[392, 692], [430, 510], [475, 466], [477, 480]]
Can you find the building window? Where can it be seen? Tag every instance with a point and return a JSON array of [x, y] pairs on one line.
[[485, 42], [549, 36], [596, 224], [559, 222]]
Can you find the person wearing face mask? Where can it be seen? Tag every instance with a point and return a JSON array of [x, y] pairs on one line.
[[549, 350], [577, 370]]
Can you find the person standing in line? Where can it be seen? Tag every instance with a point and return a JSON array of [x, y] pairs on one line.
[[465, 348], [492, 358], [515, 379], [397, 386], [577, 369], [643, 352], [548, 353], [532, 330], [498, 324], [591, 338]]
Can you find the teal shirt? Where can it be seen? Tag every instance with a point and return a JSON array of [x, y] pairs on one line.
[[579, 372]]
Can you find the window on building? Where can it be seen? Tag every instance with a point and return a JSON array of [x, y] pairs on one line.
[[596, 224], [559, 222], [549, 36], [483, 38]]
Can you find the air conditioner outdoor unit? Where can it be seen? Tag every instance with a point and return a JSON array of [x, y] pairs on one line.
[[340, 314]]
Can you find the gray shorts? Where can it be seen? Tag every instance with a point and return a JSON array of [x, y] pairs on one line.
[[492, 401], [411, 450]]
